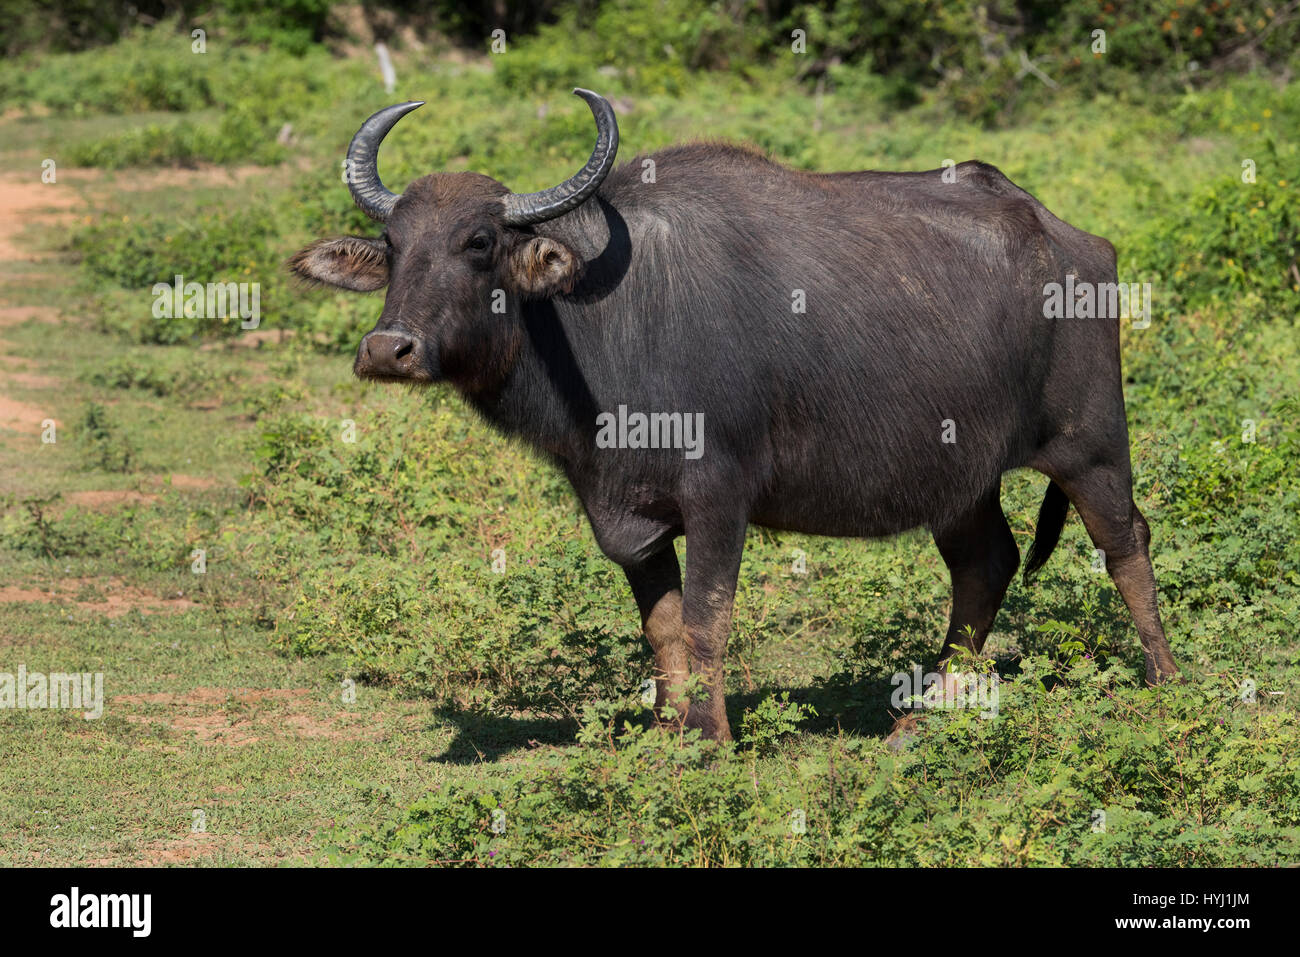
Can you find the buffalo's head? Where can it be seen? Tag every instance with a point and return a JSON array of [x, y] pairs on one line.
[[455, 248]]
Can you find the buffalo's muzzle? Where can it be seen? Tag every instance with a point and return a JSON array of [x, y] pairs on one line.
[[392, 355]]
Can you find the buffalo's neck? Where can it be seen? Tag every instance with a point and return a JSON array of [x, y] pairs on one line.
[[543, 398]]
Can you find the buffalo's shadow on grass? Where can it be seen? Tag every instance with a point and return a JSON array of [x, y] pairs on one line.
[[483, 737], [853, 705], [859, 707], [1110, 625], [854, 701], [849, 703]]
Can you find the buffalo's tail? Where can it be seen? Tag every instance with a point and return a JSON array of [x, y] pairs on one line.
[[1051, 519]]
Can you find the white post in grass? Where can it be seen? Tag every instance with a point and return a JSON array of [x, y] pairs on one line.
[[386, 67]]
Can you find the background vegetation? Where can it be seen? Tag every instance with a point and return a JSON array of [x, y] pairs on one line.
[[350, 531]]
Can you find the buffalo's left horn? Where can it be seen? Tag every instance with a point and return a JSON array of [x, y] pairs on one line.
[[362, 174], [525, 208]]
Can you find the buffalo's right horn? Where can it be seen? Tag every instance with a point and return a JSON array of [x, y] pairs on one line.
[[360, 171]]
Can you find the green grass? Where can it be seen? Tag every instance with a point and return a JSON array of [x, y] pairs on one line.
[[371, 560]]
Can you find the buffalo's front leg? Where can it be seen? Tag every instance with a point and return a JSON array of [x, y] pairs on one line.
[[713, 549], [657, 586]]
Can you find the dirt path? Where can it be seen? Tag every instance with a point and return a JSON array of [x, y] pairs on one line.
[[28, 206], [26, 202]]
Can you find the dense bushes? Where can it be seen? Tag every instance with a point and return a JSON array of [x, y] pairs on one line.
[[63, 25], [652, 47], [983, 58], [977, 54]]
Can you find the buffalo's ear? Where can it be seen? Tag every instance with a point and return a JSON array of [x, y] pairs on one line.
[[541, 267], [350, 262]]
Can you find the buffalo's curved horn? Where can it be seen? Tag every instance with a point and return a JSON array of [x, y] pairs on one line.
[[360, 171], [525, 208]]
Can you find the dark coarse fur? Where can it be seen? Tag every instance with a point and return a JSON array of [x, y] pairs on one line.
[[924, 315], [924, 303]]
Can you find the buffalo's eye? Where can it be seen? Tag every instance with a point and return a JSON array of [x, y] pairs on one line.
[[479, 242]]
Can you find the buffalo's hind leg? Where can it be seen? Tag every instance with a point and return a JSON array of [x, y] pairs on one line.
[[982, 558], [657, 586], [1103, 496]]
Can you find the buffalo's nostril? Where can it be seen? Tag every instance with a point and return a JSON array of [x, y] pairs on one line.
[[404, 347]]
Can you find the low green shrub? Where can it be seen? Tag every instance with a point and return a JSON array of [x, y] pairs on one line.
[[106, 447]]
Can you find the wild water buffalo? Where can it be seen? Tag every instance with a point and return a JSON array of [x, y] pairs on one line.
[[703, 339]]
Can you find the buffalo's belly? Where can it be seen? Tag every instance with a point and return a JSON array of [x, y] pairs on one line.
[[840, 487], [825, 510]]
